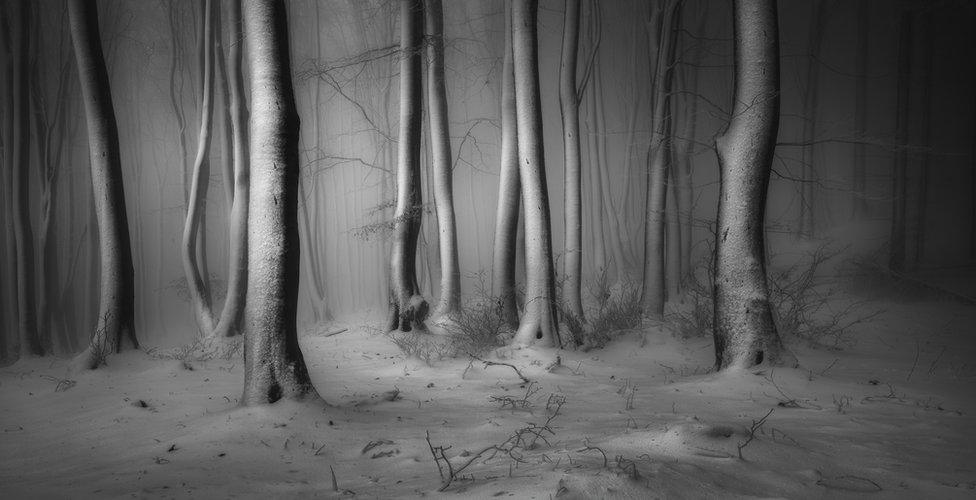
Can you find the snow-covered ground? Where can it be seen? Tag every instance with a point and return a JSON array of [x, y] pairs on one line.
[[891, 416]]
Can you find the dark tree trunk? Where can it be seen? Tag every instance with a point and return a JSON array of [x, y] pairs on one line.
[[114, 325], [899, 176], [744, 332], [407, 308], [273, 364], [859, 179]]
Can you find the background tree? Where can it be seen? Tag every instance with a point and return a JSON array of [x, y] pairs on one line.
[[273, 364], [744, 332], [899, 176], [116, 309], [569, 110], [539, 323]]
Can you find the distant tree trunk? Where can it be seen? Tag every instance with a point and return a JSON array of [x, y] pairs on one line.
[[921, 202], [659, 162], [686, 150], [30, 342], [539, 323], [569, 110], [10, 324], [116, 309], [509, 187], [440, 144], [806, 223], [407, 307], [744, 332], [899, 177], [226, 140], [233, 311], [859, 179], [273, 364], [196, 281]]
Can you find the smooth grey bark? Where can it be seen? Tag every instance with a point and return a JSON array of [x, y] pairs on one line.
[[115, 325], [899, 177], [232, 314], [193, 268], [440, 149], [407, 308], [653, 291], [539, 323], [569, 111], [859, 178], [274, 368], [743, 330], [30, 342], [504, 289]]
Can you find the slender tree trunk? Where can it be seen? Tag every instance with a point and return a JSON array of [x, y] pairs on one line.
[[659, 162], [539, 324], [30, 342], [440, 144], [233, 311], [858, 187], [192, 231], [569, 110], [744, 332], [116, 309], [407, 308], [509, 187], [899, 177], [273, 364], [686, 151], [226, 139], [806, 223], [922, 186], [9, 305]]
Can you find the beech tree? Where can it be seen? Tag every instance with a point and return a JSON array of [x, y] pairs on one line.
[[539, 323], [115, 326], [273, 364], [407, 308], [569, 110], [743, 327], [440, 146], [509, 187]]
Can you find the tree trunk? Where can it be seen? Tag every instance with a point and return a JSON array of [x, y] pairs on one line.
[[507, 216], [30, 342], [440, 144], [407, 308], [273, 364], [569, 110], [539, 323], [233, 311], [899, 177], [686, 151], [744, 332], [921, 202], [8, 288], [859, 201], [659, 162], [196, 280], [115, 324], [806, 223]]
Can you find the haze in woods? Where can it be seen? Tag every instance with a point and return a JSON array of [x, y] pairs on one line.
[[487, 248]]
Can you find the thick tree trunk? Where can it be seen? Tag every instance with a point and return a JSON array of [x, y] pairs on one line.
[[407, 308], [539, 323], [30, 342], [507, 216], [193, 268], [569, 110], [114, 325], [899, 176], [744, 332], [233, 311], [440, 145], [858, 180], [273, 364], [659, 162]]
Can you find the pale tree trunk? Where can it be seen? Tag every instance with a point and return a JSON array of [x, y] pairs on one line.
[[233, 311], [806, 223], [509, 187], [114, 325], [744, 332], [440, 145], [899, 177], [193, 261], [274, 368], [659, 162], [859, 179], [569, 110], [407, 308], [539, 323], [30, 342]]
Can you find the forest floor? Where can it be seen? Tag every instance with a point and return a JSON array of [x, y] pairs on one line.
[[892, 416]]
